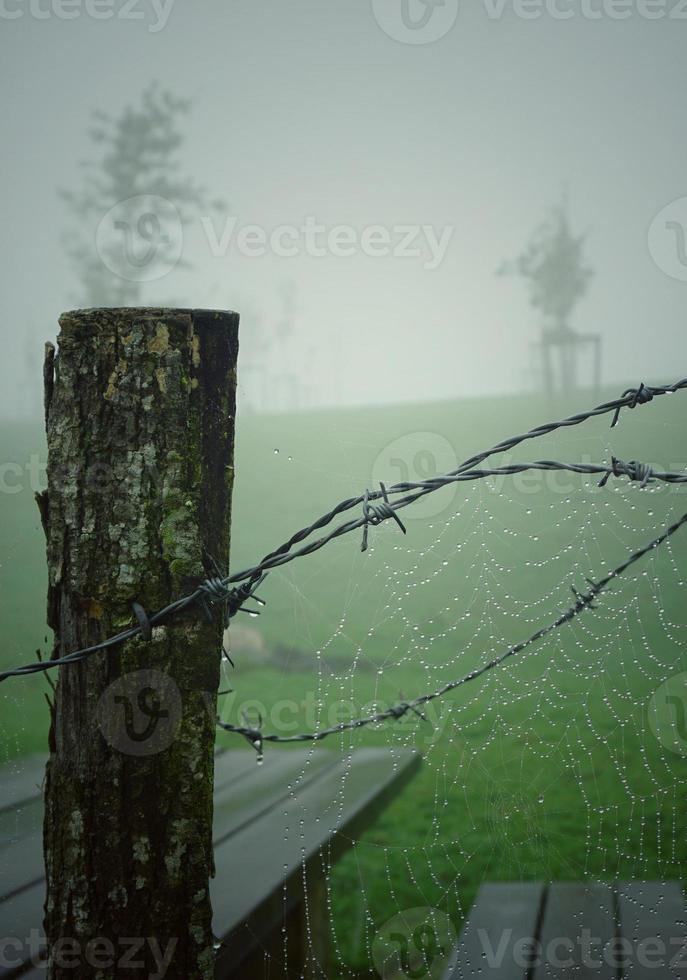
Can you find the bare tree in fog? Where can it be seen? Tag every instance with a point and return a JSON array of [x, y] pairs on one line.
[[131, 205], [558, 276]]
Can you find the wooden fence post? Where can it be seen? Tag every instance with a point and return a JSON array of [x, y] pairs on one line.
[[140, 407]]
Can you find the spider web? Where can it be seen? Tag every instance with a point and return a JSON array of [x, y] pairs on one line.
[[566, 762]]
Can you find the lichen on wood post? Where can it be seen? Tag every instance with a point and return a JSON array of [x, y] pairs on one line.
[[140, 407]]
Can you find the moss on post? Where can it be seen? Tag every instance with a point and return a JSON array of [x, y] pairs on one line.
[[140, 411]]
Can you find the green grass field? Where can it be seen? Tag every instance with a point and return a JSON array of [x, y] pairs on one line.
[[545, 768]]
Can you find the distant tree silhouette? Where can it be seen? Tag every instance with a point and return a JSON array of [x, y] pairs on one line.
[[558, 277], [135, 170]]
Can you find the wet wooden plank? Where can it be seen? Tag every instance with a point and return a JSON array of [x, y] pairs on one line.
[[276, 856], [577, 932], [22, 919], [20, 822], [497, 939], [21, 781], [258, 792], [651, 916]]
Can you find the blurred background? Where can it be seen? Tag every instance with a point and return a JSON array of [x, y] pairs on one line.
[[343, 116]]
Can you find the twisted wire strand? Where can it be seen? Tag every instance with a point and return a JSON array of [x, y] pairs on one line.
[[583, 600], [211, 592], [218, 590], [630, 398], [282, 557]]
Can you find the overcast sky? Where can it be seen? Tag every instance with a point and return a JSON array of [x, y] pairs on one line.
[[465, 129]]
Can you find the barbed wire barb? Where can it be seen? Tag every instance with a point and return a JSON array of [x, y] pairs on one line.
[[639, 396], [376, 513]]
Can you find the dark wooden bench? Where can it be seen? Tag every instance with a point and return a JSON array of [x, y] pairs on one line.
[[277, 828], [577, 931]]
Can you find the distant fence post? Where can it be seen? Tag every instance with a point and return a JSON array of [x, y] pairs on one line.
[[140, 407]]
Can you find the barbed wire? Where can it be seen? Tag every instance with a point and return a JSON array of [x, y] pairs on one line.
[[231, 592], [630, 398], [207, 594], [583, 600]]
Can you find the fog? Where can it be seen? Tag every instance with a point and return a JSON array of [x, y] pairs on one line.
[[375, 174]]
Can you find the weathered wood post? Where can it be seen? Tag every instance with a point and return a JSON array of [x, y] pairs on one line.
[[140, 408]]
